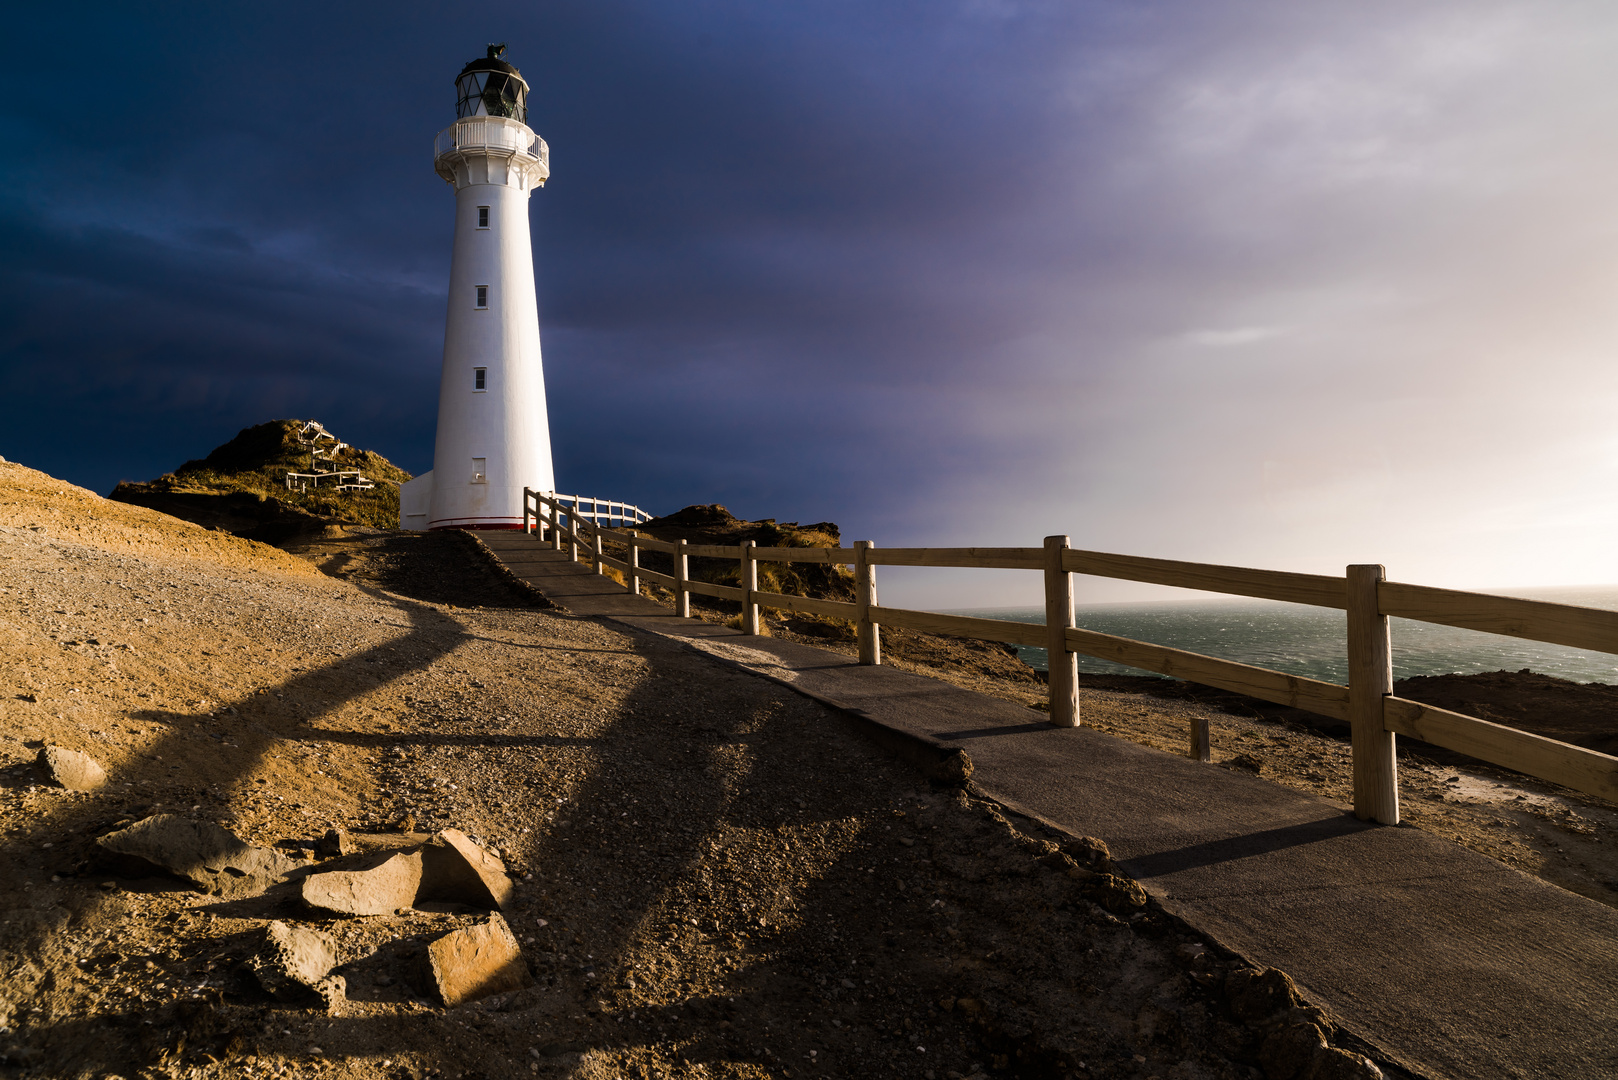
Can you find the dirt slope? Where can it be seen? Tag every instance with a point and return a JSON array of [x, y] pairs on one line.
[[52, 509], [716, 877]]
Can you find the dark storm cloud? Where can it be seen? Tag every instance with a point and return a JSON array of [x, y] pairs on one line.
[[250, 210], [973, 271]]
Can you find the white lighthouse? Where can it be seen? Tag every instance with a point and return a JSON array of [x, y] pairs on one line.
[[493, 433]]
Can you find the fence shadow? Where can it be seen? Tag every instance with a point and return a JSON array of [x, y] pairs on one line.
[[698, 770]]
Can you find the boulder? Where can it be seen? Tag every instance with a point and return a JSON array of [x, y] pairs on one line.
[[383, 884], [454, 868], [335, 843], [211, 857], [73, 770], [475, 962], [293, 961]]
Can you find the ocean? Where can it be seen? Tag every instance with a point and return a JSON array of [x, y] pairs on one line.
[[1311, 641]]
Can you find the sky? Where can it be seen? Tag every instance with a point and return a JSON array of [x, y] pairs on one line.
[[1246, 281]]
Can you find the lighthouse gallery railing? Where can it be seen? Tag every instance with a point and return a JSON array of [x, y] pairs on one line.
[[476, 133]]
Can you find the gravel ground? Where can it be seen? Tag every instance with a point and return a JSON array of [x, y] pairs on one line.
[[717, 878]]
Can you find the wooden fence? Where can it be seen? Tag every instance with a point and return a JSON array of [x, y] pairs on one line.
[[1367, 703]]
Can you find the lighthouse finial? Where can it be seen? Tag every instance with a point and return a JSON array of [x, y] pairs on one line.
[[497, 51]]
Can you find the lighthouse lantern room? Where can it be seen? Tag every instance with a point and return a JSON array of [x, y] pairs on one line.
[[493, 432]]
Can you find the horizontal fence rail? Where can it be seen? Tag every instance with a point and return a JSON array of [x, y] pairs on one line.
[[1314, 589], [967, 626], [824, 556], [1374, 713], [1559, 762], [1312, 695], [1559, 624], [987, 558]]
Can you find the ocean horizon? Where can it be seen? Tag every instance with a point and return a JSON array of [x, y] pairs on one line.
[[1312, 642]]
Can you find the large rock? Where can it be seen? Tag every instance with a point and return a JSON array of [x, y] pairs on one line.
[[454, 868], [380, 886], [476, 961], [211, 857], [73, 770], [293, 961]]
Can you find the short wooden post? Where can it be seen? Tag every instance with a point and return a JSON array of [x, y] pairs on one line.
[[573, 532], [749, 588], [1370, 681], [595, 553], [556, 524], [527, 493], [682, 574], [1062, 665], [1201, 744], [868, 633], [634, 563]]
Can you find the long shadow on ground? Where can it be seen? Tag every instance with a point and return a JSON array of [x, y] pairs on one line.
[[732, 879]]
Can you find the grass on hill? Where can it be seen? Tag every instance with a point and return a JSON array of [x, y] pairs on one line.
[[258, 459]]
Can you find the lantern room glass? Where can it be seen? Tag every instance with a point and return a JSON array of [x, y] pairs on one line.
[[491, 93]]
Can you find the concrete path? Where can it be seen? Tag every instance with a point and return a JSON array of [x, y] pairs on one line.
[[1449, 963]]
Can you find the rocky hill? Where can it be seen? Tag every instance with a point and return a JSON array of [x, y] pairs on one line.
[[242, 486], [713, 524]]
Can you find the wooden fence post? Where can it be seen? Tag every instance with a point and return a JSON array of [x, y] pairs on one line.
[[1370, 681], [749, 588], [526, 492], [595, 553], [866, 631], [1201, 744], [682, 574], [1062, 666], [634, 563], [556, 524]]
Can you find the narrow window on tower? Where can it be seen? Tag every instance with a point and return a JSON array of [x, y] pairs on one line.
[[480, 380], [483, 297], [480, 470], [483, 217]]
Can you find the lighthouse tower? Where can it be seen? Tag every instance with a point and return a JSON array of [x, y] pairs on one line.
[[493, 432]]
